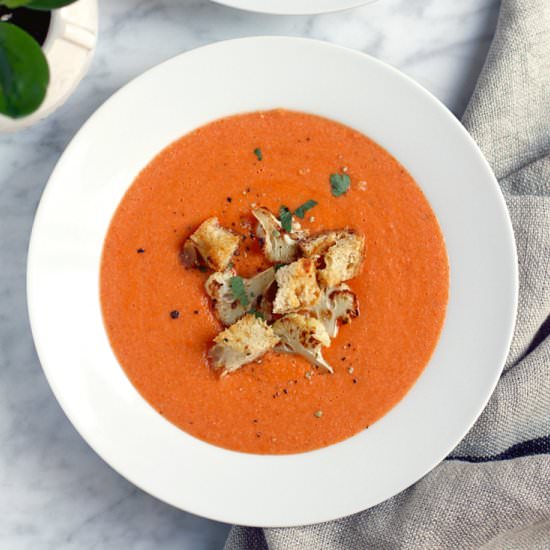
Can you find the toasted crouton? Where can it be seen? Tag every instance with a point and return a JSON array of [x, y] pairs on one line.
[[297, 286], [279, 246], [304, 336], [215, 245], [243, 342], [317, 245], [342, 261]]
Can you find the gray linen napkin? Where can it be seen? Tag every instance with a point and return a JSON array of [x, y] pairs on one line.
[[493, 492]]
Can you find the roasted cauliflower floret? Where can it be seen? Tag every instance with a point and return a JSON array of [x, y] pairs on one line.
[[336, 305], [342, 261], [303, 336], [243, 342], [229, 309], [297, 286], [279, 246], [212, 243]]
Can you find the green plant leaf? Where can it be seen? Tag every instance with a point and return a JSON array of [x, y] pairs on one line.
[[13, 3], [238, 290], [339, 184], [24, 73], [257, 314], [285, 217], [47, 4], [301, 210]]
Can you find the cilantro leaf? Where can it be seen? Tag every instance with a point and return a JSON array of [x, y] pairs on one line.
[[301, 210], [339, 184], [237, 289], [258, 153], [257, 314], [285, 216]]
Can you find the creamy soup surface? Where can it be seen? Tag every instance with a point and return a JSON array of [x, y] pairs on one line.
[[270, 406]]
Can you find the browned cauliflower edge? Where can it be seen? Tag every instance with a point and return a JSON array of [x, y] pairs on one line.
[[279, 246], [336, 305], [303, 336], [228, 309], [243, 342]]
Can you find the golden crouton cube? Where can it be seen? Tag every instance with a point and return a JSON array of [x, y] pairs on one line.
[[215, 244], [297, 286], [342, 261], [317, 245]]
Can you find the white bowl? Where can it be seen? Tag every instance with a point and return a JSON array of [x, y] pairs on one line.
[[293, 7], [69, 48], [178, 96]]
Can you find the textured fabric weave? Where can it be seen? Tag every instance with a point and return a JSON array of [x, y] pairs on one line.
[[493, 492]]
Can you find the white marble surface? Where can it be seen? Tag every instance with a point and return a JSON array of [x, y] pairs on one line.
[[55, 493]]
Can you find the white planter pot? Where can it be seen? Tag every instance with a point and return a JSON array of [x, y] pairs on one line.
[[68, 47]]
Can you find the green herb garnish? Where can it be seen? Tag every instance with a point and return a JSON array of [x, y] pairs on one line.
[[301, 210], [258, 153], [278, 266], [237, 289], [339, 184], [285, 216], [257, 314], [202, 268]]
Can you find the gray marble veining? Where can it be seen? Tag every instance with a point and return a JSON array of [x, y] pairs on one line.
[[55, 493]]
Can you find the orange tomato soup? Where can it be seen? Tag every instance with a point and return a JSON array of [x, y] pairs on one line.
[[270, 406]]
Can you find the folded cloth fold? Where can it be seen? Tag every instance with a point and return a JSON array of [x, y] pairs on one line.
[[493, 491]]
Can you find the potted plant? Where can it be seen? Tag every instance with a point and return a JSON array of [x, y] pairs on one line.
[[44, 53]]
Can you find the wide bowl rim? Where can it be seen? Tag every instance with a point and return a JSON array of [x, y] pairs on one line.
[[240, 517]]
